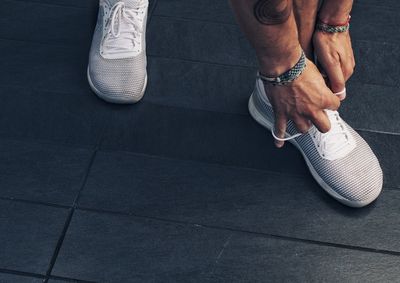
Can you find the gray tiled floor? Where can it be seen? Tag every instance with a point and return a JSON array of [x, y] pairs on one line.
[[4, 277], [184, 186], [29, 235]]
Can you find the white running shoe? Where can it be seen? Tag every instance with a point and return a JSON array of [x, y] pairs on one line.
[[117, 61], [340, 160]]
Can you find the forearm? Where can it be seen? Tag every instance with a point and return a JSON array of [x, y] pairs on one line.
[[271, 28], [305, 12], [335, 11]]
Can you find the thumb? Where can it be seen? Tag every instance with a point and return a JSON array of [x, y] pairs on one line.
[[279, 130], [336, 77]]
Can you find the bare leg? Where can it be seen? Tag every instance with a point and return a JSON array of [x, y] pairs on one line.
[[271, 28], [305, 12]]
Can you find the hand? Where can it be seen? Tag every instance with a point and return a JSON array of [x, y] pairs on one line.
[[303, 101], [335, 54]]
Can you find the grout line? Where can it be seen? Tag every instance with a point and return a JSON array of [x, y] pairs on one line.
[[378, 132], [163, 157], [59, 244], [391, 188], [22, 273], [38, 141], [207, 163], [251, 67], [151, 11], [253, 233], [40, 276], [35, 202], [70, 215], [72, 47], [199, 20], [71, 279], [52, 4]]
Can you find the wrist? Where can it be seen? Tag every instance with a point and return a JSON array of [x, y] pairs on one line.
[[335, 12], [339, 20], [331, 27], [273, 65], [289, 75]]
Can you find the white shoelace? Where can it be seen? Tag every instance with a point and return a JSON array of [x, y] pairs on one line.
[[332, 142], [124, 29]]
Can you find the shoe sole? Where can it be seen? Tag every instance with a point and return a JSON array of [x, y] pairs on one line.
[[120, 99], [268, 125]]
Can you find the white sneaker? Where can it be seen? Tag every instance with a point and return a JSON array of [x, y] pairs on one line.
[[340, 161], [117, 60]]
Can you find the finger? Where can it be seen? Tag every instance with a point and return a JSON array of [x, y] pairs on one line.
[[280, 130], [341, 95], [335, 75], [321, 121], [329, 100], [302, 124], [347, 69]]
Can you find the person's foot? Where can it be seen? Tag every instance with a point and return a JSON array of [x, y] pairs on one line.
[[117, 60], [340, 161]]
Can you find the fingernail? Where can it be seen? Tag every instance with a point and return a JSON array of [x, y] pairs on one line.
[[278, 144], [341, 94]]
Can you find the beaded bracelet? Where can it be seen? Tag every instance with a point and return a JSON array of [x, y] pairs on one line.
[[290, 75], [333, 28]]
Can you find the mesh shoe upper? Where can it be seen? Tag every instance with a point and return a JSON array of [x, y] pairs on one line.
[[356, 177], [125, 76]]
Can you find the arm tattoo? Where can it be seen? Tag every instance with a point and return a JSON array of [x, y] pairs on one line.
[[272, 12]]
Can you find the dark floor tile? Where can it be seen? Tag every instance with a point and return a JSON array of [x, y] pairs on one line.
[[113, 248], [204, 41], [375, 23], [41, 172], [65, 118], [380, 3], [228, 139], [368, 22], [49, 97], [199, 135], [45, 67], [372, 107], [237, 198], [62, 281], [10, 278], [255, 259], [225, 44], [29, 235], [386, 147], [69, 280], [206, 10], [50, 24], [376, 63], [67, 3], [226, 89], [199, 85]]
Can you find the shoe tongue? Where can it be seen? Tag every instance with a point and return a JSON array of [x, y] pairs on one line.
[[132, 3], [128, 3], [337, 136]]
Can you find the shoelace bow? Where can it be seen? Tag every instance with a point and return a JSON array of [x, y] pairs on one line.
[[326, 140], [336, 139], [125, 27]]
